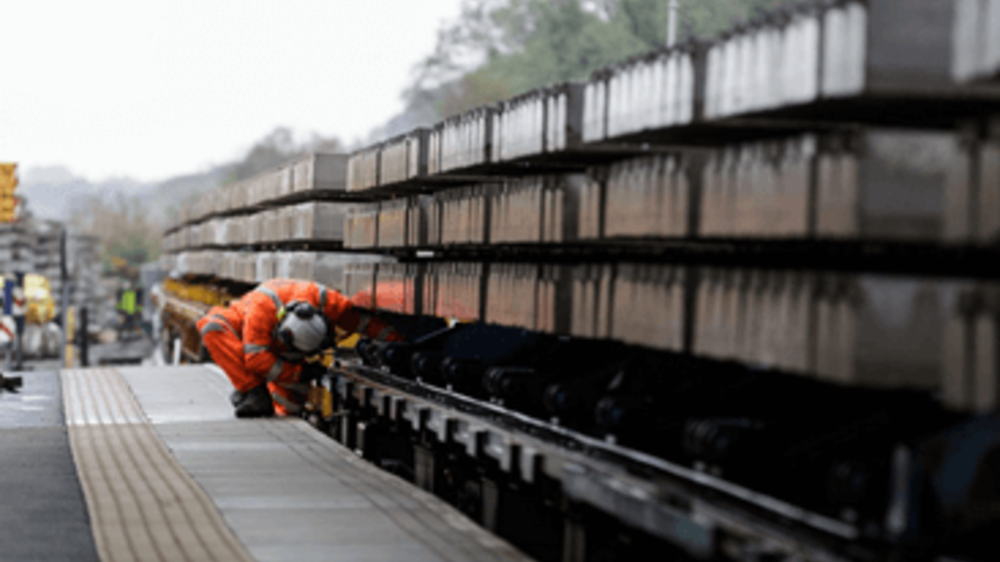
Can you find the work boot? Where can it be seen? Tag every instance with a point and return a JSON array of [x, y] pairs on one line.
[[255, 404]]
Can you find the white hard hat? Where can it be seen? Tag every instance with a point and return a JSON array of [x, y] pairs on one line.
[[303, 327]]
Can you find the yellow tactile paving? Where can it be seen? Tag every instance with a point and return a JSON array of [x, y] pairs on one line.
[[143, 505]]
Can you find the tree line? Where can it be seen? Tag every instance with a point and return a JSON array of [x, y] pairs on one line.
[[498, 49]]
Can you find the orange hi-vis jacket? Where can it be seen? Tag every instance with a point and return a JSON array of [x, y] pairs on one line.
[[242, 339]]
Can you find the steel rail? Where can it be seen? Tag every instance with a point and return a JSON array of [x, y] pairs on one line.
[[452, 416]]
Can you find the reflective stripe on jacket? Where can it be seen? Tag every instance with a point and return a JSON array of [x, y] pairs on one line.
[[261, 310]]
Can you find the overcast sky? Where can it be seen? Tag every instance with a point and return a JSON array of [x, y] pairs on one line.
[[151, 89]]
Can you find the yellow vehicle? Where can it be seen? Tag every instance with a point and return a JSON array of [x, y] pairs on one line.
[[41, 304]]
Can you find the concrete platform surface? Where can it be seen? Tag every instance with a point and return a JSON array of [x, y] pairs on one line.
[[169, 474]]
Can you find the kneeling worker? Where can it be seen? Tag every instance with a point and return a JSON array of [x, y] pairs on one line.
[[262, 340]]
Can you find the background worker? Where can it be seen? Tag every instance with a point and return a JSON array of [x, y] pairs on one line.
[[262, 340], [129, 308]]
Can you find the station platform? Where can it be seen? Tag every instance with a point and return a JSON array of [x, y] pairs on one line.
[[150, 464]]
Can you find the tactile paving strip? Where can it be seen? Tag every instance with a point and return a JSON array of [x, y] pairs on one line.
[[289, 492], [143, 505]]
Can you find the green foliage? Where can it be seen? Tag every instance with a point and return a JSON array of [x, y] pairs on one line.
[[568, 44], [523, 44], [501, 48], [706, 18]]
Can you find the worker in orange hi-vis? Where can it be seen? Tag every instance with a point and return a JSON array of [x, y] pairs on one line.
[[262, 340]]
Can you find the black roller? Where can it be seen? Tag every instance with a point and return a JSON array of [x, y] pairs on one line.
[[512, 383], [573, 402], [426, 365], [366, 350], [464, 375], [396, 357], [623, 416], [720, 440]]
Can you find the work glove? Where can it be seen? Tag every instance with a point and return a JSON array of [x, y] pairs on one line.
[[312, 371]]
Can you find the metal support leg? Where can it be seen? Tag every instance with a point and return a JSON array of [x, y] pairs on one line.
[[84, 343], [574, 541], [347, 430], [491, 504], [363, 434], [424, 470]]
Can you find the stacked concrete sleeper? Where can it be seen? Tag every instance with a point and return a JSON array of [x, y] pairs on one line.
[[223, 227], [876, 183], [872, 183]]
